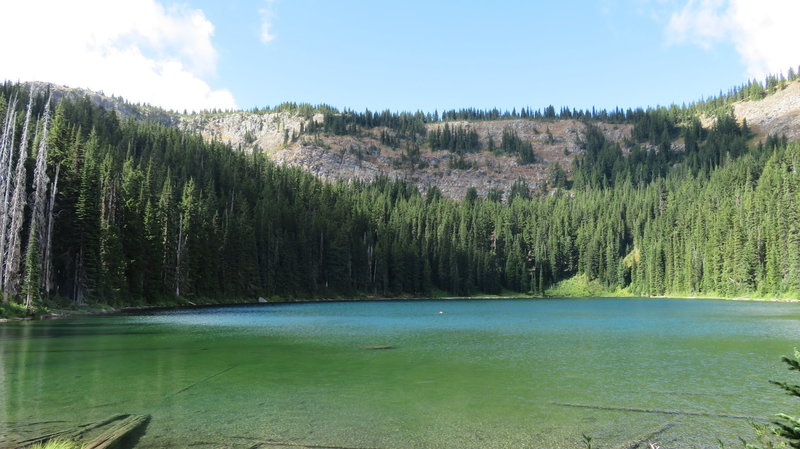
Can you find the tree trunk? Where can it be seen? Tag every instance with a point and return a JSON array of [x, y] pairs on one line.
[[6, 182], [48, 275], [178, 256]]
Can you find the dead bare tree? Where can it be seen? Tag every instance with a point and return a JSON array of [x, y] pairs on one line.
[[16, 212], [40, 211], [6, 181]]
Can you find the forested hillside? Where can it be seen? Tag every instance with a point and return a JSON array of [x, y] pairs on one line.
[[97, 208]]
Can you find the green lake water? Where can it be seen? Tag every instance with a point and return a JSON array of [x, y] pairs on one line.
[[484, 374]]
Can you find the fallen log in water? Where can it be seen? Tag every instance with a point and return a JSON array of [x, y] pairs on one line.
[[41, 439], [645, 438], [661, 412], [304, 446], [115, 434], [69, 434], [120, 426], [86, 428], [28, 424]]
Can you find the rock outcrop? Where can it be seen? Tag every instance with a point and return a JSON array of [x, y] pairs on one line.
[[123, 108], [364, 158], [777, 114], [246, 130]]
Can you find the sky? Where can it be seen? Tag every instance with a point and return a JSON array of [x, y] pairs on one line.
[[403, 55]]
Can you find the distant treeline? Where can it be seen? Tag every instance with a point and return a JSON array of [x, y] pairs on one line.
[[655, 127], [348, 121]]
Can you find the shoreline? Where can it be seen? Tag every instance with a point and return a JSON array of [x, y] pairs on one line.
[[105, 310], [744, 298]]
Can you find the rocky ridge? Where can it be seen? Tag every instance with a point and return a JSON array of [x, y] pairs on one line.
[[247, 130], [122, 107], [364, 158], [280, 135]]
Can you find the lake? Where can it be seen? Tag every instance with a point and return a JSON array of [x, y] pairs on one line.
[[482, 374]]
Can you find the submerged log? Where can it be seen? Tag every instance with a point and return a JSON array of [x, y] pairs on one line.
[[645, 438], [262, 443], [28, 424], [86, 428], [268, 444], [660, 412], [203, 380]]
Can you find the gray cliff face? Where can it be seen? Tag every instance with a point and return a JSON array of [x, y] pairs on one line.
[[124, 109], [246, 130], [777, 114], [280, 135], [364, 158]]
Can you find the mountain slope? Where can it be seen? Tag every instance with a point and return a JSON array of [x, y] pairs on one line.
[[125, 211], [366, 156]]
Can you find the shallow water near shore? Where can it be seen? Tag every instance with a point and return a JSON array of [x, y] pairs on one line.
[[482, 374]]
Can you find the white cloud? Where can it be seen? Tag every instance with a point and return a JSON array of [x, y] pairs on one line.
[[266, 34], [762, 31], [267, 16], [137, 49]]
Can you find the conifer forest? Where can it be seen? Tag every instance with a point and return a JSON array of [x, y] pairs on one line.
[[99, 208]]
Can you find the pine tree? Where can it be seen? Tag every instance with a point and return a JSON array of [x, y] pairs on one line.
[[32, 285], [87, 213], [167, 231], [787, 427], [557, 176], [40, 213], [186, 225]]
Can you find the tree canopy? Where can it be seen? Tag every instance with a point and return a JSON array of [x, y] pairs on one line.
[[120, 211]]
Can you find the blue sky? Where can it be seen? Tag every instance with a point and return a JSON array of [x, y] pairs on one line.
[[407, 55]]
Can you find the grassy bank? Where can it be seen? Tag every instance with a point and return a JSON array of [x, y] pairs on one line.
[[12, 310], [579, 286]]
